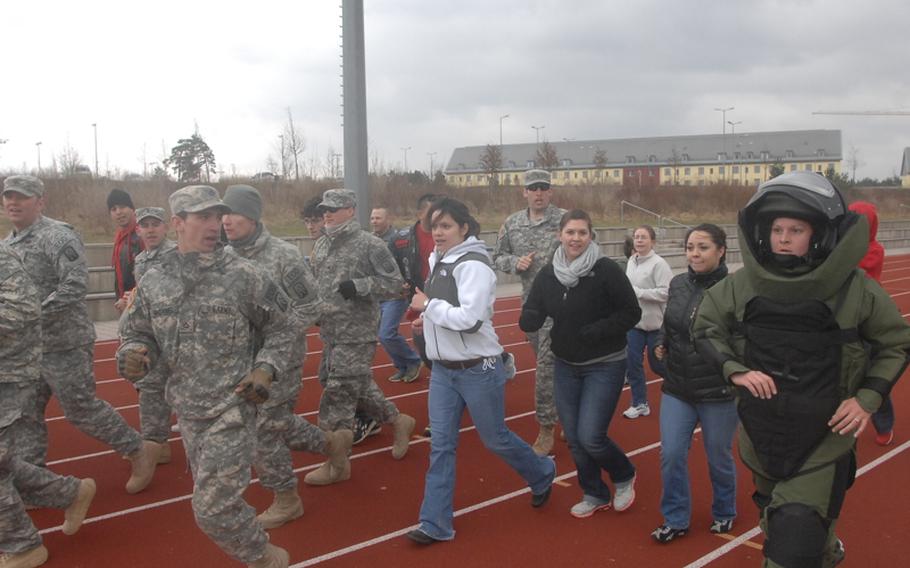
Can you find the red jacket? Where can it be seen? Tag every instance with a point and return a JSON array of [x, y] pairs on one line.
[[875, 256]]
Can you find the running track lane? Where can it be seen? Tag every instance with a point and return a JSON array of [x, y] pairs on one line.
[[497, 527]]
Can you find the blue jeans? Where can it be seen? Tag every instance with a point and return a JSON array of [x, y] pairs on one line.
[[883, 420], [678, 420], [403, 357], [637, 340], [586, 396], [482, 390]]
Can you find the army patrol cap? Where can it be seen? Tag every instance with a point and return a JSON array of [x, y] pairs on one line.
[[29, 186], [145, 212], [537, 177], [196, 198], [339, 199]]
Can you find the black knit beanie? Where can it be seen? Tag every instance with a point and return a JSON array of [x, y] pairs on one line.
[[119, 197]]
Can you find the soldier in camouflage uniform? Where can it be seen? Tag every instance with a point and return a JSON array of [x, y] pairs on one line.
[[53, 255], [526, 243], [20, 374], [353, 270], [278, 428], [200, 319], [154, 411]]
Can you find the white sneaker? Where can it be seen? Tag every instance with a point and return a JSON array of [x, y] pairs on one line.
[[587, 507], [175, 428], [634, 412], [624, 495]]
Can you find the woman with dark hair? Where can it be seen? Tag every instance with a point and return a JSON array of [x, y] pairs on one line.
[[593, 306], [650, 276], [694, 392], [468, 368]]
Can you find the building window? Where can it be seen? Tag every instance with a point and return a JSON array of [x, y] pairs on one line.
[[688, 171], [765, 155], [630, 159], [666, 171], [566, 162], [750, 155], [530, 163], [701, 170], [736, 169], [652, 158], [650, 172], [584, 174], [616, 173], [790, 154], [792, 167], [818, 167], [808, 167], [685, 157], [576, 175], [745, 169], [720, 170], [820, 152], [735, 155], [831, 166]]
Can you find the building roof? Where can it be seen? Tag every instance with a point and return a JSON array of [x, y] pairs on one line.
[[905, 163], [784, 146]]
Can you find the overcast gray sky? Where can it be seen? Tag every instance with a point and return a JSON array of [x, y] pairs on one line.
[[441, 73]]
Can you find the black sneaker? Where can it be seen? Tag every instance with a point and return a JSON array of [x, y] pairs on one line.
[[664, 534], [364, 427], [838, 554], [722, 527], [421, 537]]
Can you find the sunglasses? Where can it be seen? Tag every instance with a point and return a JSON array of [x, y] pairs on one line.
[[538, 188], [331, 209]]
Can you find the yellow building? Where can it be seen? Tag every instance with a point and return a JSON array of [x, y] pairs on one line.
[[740, 159]]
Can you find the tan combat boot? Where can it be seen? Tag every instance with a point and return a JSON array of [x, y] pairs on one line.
[[404, 426], [75, 513], [164, 455], [286, 507], [338, 448], [28, 559], [327, 474], [544, 443], [143, 463], [274, 557]]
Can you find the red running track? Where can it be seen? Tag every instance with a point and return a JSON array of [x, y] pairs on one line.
[[361, 522]]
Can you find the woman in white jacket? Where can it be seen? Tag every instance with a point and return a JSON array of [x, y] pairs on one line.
[[650, 276], [468, 369]]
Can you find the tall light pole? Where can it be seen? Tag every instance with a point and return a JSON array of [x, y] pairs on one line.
[[405, 150], [431, 154], [501, 118], [38, 146], [537, 129], [95, 128], [723, 111]]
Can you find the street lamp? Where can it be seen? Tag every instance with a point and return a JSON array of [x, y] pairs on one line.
[[38, 146], [95, 128], [723, 111], [405, 150], [431, 154], [733, 128], [537, 129], [501, 118]]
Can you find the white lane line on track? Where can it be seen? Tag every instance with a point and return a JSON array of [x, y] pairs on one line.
[[459, 513], [755, 531]]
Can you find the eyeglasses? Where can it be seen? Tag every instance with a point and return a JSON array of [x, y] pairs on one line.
[[330, 209], [538, 188]]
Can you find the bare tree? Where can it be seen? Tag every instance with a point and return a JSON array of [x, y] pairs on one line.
[[270, 164], [674, 163], [546, 156], [294, 145], [491, 162], [854, 162], [600, 163], [69, 160]]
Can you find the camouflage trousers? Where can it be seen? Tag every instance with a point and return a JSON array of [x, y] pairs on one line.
[[544, 401], [68, 375], [350, 388], [278, 431], [220, 451], [154, 411], [21, 481]]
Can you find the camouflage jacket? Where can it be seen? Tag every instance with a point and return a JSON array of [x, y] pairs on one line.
[[20, 322], [54, 257], [198, 318], [519, 236], [148, 258], [283, 263], [353, 254]]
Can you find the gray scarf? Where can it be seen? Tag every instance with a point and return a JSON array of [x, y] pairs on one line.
[[568, 273]]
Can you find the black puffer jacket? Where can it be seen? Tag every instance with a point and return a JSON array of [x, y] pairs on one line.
[[689, 376]]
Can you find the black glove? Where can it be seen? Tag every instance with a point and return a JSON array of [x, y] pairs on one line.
[[347, 289], [589, 333]]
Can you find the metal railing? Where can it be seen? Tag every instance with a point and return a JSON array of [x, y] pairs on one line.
[[661, 219]]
